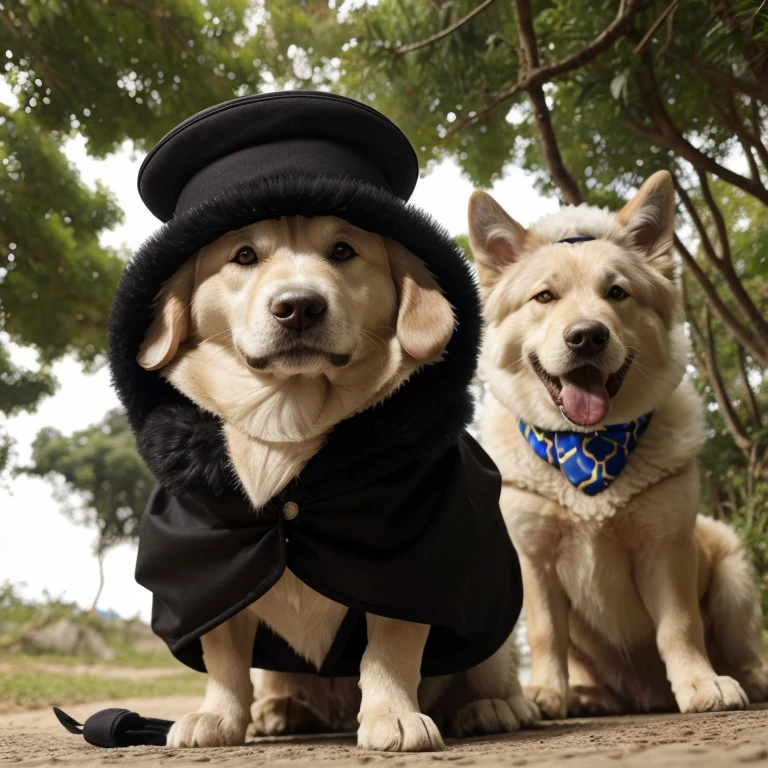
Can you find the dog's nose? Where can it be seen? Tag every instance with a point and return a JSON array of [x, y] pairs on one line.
[[298, 310], [587, 338]]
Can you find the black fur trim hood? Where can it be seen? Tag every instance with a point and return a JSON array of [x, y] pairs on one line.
[[436, 400], [406, 467]]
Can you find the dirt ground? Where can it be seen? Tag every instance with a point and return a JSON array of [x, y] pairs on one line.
[[35, 739], [95, 670]]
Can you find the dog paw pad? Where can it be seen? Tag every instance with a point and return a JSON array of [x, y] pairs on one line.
[[399, 732], [205, 729]]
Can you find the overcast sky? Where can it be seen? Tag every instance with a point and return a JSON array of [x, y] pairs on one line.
[[38, 546]]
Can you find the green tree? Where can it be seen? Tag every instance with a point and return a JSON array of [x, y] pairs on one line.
[[589, 97], [127, 70], [56, 281], [110, 72], [592, 98], [99, 479]]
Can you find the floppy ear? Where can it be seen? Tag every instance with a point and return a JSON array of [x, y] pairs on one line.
[[650, 217], [425, 319], [170, 325], [496, 238]]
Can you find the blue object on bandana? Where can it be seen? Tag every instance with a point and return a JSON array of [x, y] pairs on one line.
[[590, 460], [578, 239]]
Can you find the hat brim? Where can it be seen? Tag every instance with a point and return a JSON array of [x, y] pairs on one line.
[[261, 122]]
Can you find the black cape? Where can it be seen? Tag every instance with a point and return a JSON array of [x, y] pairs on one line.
[[398, 512], [416, 544]]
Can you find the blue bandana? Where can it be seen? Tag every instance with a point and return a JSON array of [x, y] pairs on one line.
[[590, 460]]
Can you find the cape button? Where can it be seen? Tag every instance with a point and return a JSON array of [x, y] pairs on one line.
[[290, 510]]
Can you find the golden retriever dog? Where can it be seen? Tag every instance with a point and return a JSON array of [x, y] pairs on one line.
[[282, 346], [633, 601]]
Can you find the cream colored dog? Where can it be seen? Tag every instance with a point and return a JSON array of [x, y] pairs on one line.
[[632, 601], [269, 330]]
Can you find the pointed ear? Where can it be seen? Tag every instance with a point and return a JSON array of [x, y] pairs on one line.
[[425, 320], [650, 217], [170, 324], [496, 238]]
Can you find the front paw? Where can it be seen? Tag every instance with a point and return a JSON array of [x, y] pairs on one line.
[[550, 702], [278, 715], [206, 729], [526, 712], [710, 694], [398, 732]]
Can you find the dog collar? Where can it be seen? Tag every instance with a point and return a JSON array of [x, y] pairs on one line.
[[577, 239], [590, 460]]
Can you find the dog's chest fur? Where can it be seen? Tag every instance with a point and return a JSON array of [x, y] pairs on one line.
[[595, 568], [591, 559], [304, 618], [592, 542]]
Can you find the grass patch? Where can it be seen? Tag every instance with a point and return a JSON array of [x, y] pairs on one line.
[[20, 616], [31, 689]]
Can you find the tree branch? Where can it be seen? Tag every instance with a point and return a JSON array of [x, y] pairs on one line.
[[717, 217], [757, 129], [727, 411], [549, 146], [706, 241], [666, 134], [725, 266], [733, 121], [716, 502], [656, 24], [750, 393], [737, 330], [730, 83], [450, 29], [709, 359], [754, 169], [543, 74]]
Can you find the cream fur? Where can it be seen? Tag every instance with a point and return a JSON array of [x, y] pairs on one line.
[[387, 314], [633, 602]]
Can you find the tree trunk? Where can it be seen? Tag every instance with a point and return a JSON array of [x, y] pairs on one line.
[[100, 558], [547, 139]]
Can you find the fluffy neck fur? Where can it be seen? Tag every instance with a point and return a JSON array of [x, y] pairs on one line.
[[674, 437], [274, 425]]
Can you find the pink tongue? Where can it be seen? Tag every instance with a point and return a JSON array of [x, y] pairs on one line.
[[585, 398]]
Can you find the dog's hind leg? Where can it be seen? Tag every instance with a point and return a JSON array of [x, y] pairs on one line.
[[587, 696], [488, 698], [732, 608], [288, 703]]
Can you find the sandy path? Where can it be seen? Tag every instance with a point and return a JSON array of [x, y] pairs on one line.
[[112, 671], [700, 741]]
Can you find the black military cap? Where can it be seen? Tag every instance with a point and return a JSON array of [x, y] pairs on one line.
[[269, 134]]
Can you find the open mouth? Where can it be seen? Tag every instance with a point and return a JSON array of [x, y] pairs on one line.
[[298, 355], [581, 394]]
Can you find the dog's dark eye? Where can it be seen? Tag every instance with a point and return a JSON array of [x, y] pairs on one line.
[[246, 256], [544, 297], [342, 252], [617, 292]]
